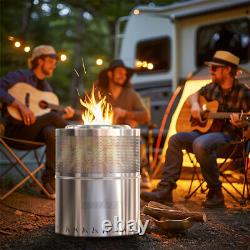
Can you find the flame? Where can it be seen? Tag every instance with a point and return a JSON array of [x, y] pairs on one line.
[[97, 112]]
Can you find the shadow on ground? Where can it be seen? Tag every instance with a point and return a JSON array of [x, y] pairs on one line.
[[27, 222]]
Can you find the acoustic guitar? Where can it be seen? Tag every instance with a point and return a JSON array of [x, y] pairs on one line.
[[186, 123], [39, 102]]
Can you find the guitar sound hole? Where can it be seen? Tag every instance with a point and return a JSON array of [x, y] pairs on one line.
[[27, 99], [195, 122], [43, 104]]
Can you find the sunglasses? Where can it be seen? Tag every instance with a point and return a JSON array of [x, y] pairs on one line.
[[215, 67]]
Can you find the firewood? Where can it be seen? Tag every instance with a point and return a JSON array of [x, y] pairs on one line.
[[174, 207], [159, 213], [155, 204], [5, 232]]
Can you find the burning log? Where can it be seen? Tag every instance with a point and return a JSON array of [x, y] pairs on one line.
[[159, 211]]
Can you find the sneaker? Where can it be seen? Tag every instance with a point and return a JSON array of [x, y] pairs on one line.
[[214, 199]]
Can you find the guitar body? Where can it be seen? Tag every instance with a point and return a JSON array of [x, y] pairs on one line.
[[184, 124], [31, 97]]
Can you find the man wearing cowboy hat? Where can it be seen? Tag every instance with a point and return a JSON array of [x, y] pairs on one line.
[[41, 65], [232, 97], [127, 105]]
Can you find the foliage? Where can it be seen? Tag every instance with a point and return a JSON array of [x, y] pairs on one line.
[[81, 29]]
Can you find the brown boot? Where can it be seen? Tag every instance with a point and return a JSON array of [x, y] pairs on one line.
[[160, 194], [214, 199]]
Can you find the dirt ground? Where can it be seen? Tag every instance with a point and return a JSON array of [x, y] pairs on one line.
[[27, 222]]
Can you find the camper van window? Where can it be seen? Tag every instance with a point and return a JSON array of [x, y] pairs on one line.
[[233, 36], [153, 55]]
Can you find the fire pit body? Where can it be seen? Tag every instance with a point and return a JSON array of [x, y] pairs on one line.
[[97, 180]]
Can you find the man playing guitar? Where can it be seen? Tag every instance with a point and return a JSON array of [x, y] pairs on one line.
[[127, 105], [232, 97], [42, 128]]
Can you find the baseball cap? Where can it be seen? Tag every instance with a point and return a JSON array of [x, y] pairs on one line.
[[42, 50]]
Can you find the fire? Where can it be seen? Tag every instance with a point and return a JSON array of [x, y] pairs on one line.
[[97, 112]]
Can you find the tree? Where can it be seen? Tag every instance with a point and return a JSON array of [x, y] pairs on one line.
[[81, 29]]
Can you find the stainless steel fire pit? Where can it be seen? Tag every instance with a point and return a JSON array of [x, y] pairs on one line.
[[97, 181]]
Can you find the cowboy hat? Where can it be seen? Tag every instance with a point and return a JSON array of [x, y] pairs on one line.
[[103, 79], [119, 63]]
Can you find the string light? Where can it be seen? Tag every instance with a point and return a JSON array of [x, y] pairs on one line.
[[150, 66], [136, 12], [26, 49], [63, 57], [99, 61], [17, 44], [138, 64], [144, 64]]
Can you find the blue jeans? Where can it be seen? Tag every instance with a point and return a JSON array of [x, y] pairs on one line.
[[204, 147]]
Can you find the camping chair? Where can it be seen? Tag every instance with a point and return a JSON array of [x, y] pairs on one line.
[[190, 87], [147, 135], [15, 151], [246, 188], [237, 152]]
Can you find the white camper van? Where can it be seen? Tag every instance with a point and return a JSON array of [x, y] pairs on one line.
[[165, 44]]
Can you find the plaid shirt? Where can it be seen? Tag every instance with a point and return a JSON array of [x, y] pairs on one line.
[[235, 101]]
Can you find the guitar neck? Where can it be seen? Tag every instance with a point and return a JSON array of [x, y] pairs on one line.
[[223, 115], [56, 107], [219, 115], [61, 109]]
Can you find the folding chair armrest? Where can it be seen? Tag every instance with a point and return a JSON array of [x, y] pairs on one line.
[[32, 143]]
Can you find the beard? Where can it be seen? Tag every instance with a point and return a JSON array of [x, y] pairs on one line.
[[47, 72], [122, 85], [120, 82], [216, 80]]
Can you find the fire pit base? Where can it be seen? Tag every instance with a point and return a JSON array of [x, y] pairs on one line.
[[97, 207], [97, 181]]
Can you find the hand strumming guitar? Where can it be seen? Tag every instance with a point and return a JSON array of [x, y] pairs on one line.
[[127, 115], [196, 111], [27, 115], [195, 106], [69, 112]]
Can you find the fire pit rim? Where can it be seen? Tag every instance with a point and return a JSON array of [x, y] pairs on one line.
[[98, 130]]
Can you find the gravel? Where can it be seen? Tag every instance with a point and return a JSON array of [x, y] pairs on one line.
[[27, 222]]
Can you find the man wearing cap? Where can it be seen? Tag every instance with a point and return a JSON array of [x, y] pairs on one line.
[[232, 97], [41, 65], [127, 105]]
